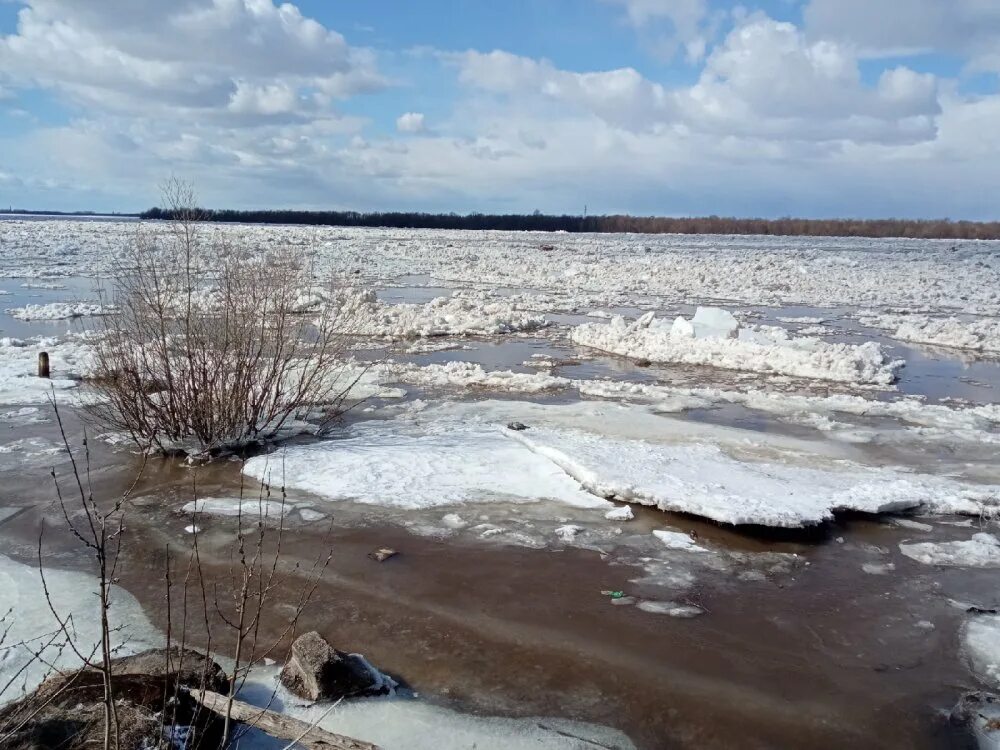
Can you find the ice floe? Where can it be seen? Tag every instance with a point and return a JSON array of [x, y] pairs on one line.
[[472, 375], [32, 623], [57, 311], [714, 338], [409, 724], [981, 643], [981, 335], [464, 314], [69, 359], [981, 551], [678, 540], [585, 454], [234, 506]]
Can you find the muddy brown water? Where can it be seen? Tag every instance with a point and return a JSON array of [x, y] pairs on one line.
[[822, 656]]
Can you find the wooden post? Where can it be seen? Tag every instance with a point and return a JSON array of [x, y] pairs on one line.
[[43, 364]]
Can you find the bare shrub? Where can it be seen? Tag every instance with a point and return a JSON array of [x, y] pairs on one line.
[[211, 345]]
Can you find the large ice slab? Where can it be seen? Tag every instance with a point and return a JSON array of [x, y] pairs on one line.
[[715, 342], [586, 453], [383, 463]]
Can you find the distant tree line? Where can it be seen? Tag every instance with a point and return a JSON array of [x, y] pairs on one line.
[[916, 229]]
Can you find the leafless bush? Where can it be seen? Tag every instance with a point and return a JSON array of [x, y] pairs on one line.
[[211, 345]]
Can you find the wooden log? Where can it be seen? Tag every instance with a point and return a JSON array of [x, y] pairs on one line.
[[43, 364], [278, 725]]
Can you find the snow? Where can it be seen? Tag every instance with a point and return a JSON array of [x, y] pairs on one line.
[[677, 540], [981, 335], [761, 350], [568, 532], [981, 551], [31, 621], [234, 506], [57, 311]]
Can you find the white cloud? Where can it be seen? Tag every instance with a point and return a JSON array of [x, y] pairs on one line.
[[410, 122], [970, 28], [622, 96], [689, 22], [216, 58], [768, 79]]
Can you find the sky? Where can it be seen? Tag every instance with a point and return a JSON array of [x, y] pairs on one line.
[[812, 108]]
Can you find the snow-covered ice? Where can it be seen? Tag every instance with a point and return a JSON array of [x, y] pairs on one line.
[[678, 540], [981, 551], [461, 453], [234, 506], [33, 623], [57, 311], [981, 335], [721, 343], [981, 643], [457, 374]]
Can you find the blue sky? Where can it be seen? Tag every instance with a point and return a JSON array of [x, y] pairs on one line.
[[781, 107]]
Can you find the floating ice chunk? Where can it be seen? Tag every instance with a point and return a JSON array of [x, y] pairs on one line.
[[472, 375], [58, 311], [764, 351], [981, 335], [678, 540], [981, 643], [568, 532], [703, 479], [463, 314], [233, 506], [453, 521], [310, 515], [70, 359], [982, 551], [907, 523], [878, 569], [672, 609], [621, 513], [682, 328], [714, 322]]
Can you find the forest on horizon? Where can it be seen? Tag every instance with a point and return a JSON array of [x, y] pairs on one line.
[[875, 228]]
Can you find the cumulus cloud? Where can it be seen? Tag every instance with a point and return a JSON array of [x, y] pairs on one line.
[[970, 28], [689, 23], [410, 122], [768, 79], [622, 96], [215, 57]]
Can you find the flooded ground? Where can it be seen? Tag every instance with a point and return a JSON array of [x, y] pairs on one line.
[[720, 636]]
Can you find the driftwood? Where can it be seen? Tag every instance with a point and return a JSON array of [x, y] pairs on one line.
[[277, 725]]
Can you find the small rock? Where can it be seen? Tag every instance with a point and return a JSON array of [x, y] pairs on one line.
[[382, 554], [642, 362], [517, 426]]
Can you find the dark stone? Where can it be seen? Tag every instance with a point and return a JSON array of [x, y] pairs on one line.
[[517, 426], [642, 362], [317, 671]]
